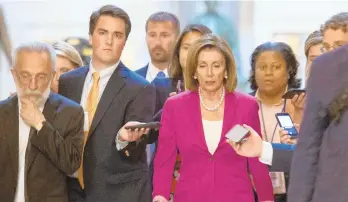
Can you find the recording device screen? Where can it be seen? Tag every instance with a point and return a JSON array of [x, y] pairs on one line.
[[285, 122]]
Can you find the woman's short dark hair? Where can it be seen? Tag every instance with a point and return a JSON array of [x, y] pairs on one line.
[[288, 55], [175, 70]]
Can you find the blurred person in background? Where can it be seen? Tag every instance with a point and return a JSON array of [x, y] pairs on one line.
[[82, 46], [67, 59], [195, 123], [313, 48], [162, 30], [4, 38]]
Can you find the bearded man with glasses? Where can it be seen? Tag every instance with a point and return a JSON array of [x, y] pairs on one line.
[[41, 133]]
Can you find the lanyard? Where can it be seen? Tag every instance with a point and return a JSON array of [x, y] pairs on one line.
[[263, 122]]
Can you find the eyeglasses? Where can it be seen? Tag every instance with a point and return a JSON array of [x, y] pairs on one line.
[[326, 47], [26, 78]]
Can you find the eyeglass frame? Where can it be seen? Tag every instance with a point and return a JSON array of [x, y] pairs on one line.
[[30, 78], [336, 45]]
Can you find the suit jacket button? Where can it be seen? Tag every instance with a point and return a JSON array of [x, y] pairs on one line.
[[211, 158]]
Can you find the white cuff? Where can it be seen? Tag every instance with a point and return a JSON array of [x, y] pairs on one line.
[[159, 198], [120, 144], [267, 153]]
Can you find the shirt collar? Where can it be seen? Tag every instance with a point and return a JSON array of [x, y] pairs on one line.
[[154, 70], [257, 96], [106, 72]]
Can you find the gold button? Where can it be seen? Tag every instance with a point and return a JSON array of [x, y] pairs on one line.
[[211, 158]]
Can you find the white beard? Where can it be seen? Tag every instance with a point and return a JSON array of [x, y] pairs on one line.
[[37, 97]]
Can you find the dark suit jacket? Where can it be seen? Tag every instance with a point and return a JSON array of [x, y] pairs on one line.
[[319, 167], [281, 161], [164, 86], [109, 175], [52, 153], [142, 71]]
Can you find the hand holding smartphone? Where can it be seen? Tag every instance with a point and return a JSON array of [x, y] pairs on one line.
[[292, 92], [285, 121], [237, 133], [150, 125]]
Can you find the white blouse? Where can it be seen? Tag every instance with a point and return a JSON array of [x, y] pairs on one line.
[[212, 134]]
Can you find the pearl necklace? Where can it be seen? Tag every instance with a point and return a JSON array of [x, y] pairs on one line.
[[216, 106]]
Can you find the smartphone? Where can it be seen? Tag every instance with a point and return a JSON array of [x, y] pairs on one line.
[[179, 87], [285, 121], [150, 125], [292, 92], [237, 134], [281, 146]]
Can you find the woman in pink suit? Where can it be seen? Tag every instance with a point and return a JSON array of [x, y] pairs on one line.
[[196, 122]]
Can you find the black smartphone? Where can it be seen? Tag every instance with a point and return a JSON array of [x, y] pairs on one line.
[[285, 121], [292, 92], [150, 125], [179, 87], [237, 134]]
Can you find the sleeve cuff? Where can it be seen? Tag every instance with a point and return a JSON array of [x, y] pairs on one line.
[[267, 153], [159, 198], [120, 144]]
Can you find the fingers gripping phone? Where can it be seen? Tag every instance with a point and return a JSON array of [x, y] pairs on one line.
[[285, 121], [292, 92], [237, 134]]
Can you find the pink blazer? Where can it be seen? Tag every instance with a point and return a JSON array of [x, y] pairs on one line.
[[205, 177]]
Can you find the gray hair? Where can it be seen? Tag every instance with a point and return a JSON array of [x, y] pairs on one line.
[[38, 47]]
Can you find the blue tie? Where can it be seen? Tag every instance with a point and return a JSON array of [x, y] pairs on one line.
[[160, 75], [152, 147]]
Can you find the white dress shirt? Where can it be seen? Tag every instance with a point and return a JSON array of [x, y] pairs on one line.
[[105, 75], [23, 138], [267, 153], [152, 72]]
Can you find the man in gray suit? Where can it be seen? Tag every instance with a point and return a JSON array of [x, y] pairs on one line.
[[41, 133], [114, 161], [319, 167]]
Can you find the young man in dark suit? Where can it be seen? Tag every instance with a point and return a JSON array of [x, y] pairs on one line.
[[114, 166]]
